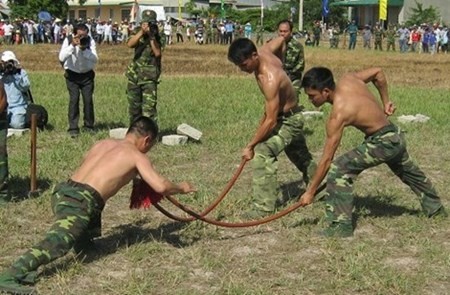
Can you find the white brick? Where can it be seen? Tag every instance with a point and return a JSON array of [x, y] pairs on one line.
[[185, 129], [17, 132], [174, 139], [118, 133], [419, 118]]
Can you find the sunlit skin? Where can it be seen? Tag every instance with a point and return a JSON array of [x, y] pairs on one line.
[[353, 105], [110, 164], [280, 95]]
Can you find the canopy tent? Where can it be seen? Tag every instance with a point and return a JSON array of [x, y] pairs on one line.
[[365, 3]]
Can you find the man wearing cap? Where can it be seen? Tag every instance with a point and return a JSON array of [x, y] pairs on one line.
[[16, 84], [79, 56], [144, 70]]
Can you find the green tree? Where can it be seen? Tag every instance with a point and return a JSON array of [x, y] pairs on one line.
[[31, 8], [420, 15], [192, 9]]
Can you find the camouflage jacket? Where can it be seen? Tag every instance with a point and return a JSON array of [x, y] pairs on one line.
[[379, 34], [144, 66], [390, 34], [294, 59]]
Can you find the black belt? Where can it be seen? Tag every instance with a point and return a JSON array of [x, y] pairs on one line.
[[292, 111]]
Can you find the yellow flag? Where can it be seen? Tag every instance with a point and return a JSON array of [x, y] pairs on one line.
[[383, 9]]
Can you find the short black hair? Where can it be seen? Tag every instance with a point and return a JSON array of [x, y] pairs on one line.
[[240, 50], [318, 78], [144, 126], [80, 27], [286, 21]]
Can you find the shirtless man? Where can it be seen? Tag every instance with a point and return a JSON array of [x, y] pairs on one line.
[[354, 105], [107, 167], [281, 126]]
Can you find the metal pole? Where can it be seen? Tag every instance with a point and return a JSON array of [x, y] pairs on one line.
[[33, 183], [300, 16]]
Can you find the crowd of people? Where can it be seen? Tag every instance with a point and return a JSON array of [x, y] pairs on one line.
[[278, 67], [426, 38]]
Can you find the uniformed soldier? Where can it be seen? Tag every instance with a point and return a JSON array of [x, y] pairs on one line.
[[144, 70], [294, 57], [390, 36], [379, 35]]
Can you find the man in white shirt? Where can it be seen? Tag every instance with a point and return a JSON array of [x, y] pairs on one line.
[[8, 28], [79, 57]]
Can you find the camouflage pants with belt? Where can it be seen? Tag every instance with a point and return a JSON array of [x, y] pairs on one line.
[[4, 193], [77, 208], [385, 146], [142, 99], [287, 136]]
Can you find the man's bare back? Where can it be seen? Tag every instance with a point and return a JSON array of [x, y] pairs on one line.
[[356, 106], [108, 166], [270, 74]]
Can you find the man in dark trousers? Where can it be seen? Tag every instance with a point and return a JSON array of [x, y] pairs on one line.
[[79, 57]]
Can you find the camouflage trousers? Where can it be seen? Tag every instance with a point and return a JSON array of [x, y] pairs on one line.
[[378, 44], [385, 146], [4, 193], [287, 136], [390, 44], [77, 208], [142, 99]]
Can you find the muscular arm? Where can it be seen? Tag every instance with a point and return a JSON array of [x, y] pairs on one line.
[[377, 77], [159, 183], [335, 128], [277, 46], [268, 122]]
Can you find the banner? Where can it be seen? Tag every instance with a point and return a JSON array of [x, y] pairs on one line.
[[325, 8], [134, 13], [383, 9]]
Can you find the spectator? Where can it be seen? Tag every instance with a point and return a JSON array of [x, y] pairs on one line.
[[79, 55], [248, 30], [352, 30], [4, 192], [16, 85], [179, 33], [168, 33], [144, 70], [367, 36]]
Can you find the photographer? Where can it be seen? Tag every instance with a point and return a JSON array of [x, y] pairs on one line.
[[79, 57], [144, 70], [16, 84]]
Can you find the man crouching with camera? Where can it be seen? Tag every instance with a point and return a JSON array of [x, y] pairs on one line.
[[17, 84], [79, 56]]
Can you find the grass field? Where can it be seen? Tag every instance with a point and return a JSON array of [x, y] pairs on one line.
[[394, 250]]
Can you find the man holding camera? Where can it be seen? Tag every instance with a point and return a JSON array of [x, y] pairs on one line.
[[16, 84], [79, 56], [144, 70]]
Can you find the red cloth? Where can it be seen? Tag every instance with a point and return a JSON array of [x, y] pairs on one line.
[[143, 196]]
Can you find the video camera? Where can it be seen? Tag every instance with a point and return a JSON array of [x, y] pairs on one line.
[[85, 42], [9, 68]]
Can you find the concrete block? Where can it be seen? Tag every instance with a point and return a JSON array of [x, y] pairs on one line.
[[312, 114], [185, 129], [118, 133], [418, 118], [174, 139], [17, 132]]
